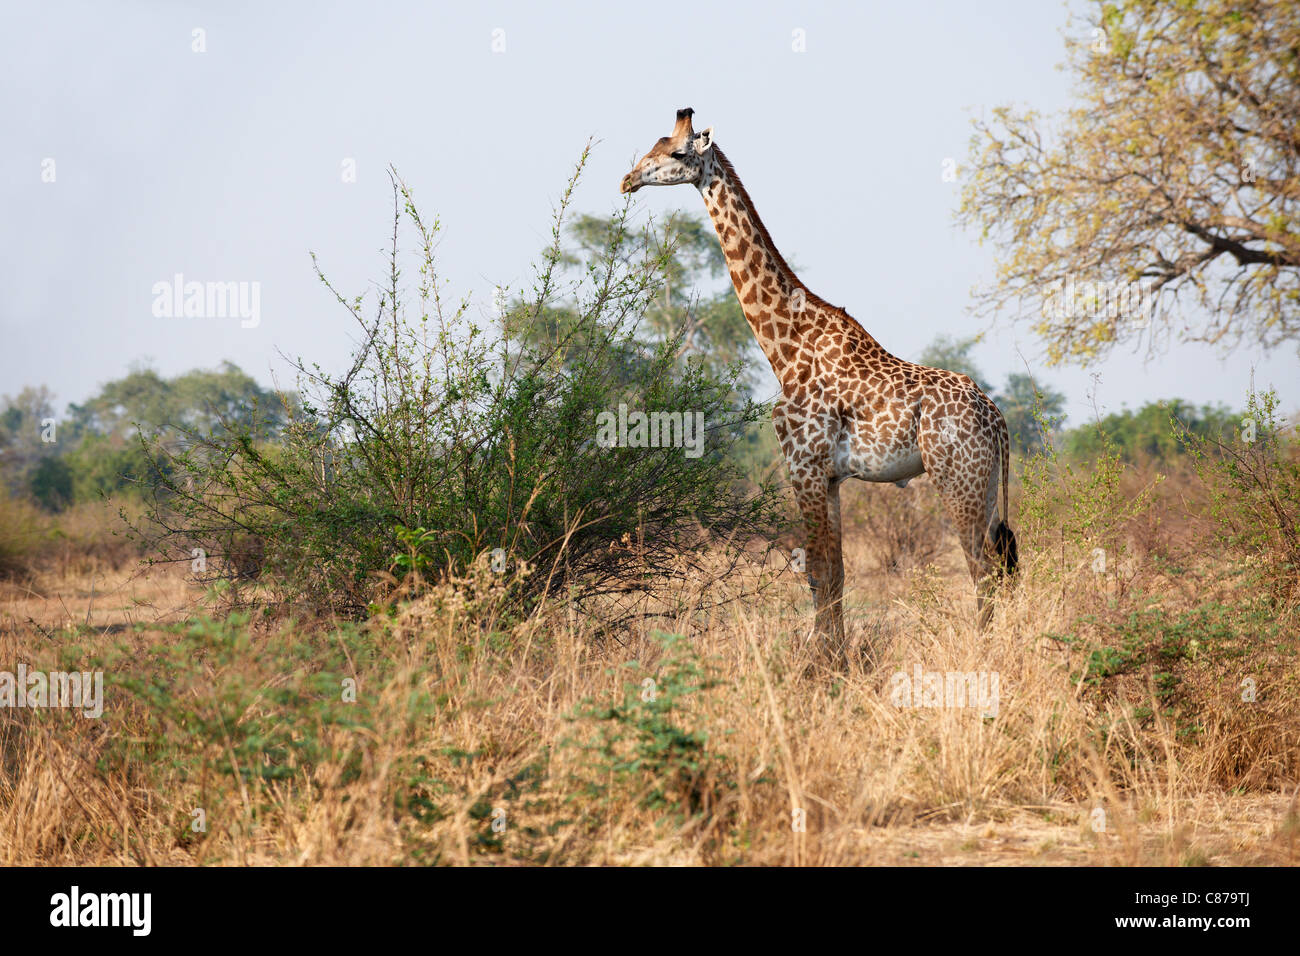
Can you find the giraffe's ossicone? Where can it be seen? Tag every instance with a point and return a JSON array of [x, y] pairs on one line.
[[848, 408]]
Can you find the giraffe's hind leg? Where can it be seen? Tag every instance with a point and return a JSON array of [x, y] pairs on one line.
[[968, 522], [986, 585], [969, 497]]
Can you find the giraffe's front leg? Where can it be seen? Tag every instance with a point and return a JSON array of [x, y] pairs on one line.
[[805, 442], [819, 502]]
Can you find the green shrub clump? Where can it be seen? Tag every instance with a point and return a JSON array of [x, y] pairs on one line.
[[448, 437]]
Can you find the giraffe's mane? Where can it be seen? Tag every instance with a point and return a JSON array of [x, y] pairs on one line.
[[766, 236]]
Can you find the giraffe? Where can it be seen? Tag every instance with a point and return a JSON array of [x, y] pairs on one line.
[[848, 408]]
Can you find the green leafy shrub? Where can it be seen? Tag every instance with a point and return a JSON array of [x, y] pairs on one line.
[[211, 710], [1082, 508], [446, 438], [1164, 649], [1253, 476], [643, 744]]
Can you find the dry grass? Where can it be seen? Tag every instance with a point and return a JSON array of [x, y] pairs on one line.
[[458, 721], [87, 538]]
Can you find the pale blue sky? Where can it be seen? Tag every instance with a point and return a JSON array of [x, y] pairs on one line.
[[225, 165]]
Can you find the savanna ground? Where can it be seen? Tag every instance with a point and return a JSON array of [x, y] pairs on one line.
[[1121, 734]]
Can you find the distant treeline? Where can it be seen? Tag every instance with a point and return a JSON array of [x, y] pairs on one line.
[[1034, 412], [93, 450], [1146, 433]]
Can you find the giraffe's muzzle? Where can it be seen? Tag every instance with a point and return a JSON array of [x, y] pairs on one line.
[[631, 183]]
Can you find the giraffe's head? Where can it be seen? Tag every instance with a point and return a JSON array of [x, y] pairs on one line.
[[677, 158]]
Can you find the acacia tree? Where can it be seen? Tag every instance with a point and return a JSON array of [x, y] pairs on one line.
[[1176, 175]]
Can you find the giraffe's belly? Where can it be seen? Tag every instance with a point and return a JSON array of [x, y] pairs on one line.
[[876, 460]]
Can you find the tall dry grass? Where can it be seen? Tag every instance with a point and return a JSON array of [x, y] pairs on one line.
[[479, 739], [87, 537]]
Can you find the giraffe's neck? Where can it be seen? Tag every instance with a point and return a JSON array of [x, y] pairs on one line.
[[777, 305]]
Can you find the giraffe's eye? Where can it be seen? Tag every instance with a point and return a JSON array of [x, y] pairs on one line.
[[679, 154]]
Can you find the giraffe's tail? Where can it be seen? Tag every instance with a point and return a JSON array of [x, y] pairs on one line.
[[1004, 539], [1004, 545]]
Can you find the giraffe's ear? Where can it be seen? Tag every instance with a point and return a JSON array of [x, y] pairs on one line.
[[703, 141]]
